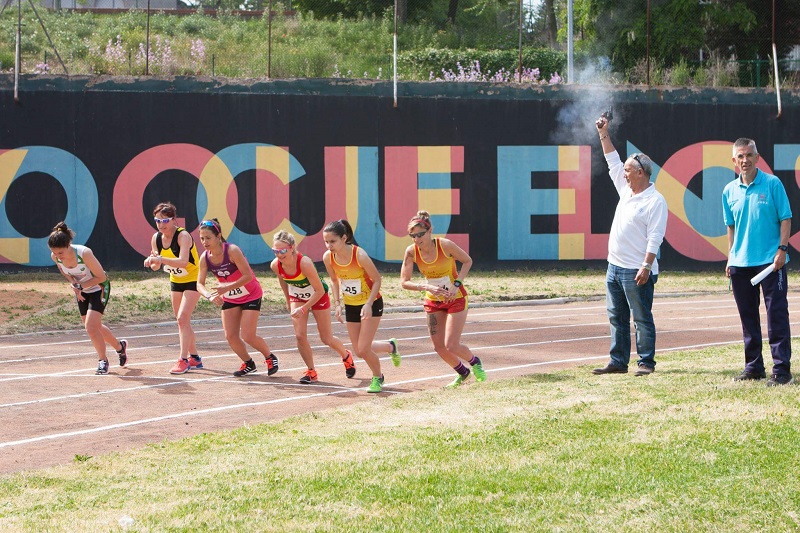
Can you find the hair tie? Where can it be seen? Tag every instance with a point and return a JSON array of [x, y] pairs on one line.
[[421, 221]]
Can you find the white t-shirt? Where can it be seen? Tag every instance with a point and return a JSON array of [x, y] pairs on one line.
[[640, 220]]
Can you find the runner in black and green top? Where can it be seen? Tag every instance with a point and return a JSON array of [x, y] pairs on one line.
[[92, 288]]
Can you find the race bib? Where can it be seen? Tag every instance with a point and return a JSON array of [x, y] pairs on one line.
[[238, 292], [175, 271], [442, 283], [351, 287], [301, 293]]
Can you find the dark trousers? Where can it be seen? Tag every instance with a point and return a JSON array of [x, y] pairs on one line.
[[748, 300]]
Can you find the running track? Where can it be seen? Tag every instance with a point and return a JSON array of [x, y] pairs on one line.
[[53, 407]]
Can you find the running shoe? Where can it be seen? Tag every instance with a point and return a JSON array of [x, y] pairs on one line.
[[480, 373], [349, 365], [458, 381], [394, 353], [309, 377], [247, 367], [195, 363], [376, 385], [123, 353], [181, 367], [272, 364], [102, 368]]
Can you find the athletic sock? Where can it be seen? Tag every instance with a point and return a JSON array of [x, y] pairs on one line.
[[462, 370], [474, 361]]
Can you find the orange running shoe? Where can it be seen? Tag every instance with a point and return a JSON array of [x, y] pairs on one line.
[[349, 365], [309, 377]]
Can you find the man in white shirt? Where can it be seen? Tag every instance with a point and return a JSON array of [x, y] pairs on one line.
[[640, 222]]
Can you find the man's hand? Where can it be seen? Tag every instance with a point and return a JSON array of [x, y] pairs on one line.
[[602, 126], [642, 276]]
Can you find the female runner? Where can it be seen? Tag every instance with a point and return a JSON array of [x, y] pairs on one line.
[[238, 293], [306, 293], [91, 286], [445, 295], [354, 275], [173, 249]]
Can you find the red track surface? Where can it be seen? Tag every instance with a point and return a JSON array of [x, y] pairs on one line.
[[53, 407]]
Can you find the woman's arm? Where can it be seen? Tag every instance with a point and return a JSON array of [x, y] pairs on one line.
[[335, 294], [310, 271], [284, 286], [454, 250], [98, 274], [369, 268], [185, 242]]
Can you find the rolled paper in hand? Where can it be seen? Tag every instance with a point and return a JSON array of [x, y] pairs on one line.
[[758, 278]]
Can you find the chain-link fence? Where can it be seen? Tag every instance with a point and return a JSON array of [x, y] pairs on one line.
[[654, 42]]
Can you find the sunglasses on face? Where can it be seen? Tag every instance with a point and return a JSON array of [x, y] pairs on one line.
[[162, 220], [417, 235], [281, 251]]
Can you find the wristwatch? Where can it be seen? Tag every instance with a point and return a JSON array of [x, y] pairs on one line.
[[647, 266], [783, 247], [457, 283]]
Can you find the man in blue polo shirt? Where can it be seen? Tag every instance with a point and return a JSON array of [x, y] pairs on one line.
[[759, 220]]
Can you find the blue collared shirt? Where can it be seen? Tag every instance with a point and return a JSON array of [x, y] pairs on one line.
[[755, 211]]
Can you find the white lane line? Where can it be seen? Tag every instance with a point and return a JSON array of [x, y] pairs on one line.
[[193, 380], [220, 379], [198, 412], [199, 332], [415, 317], [173, 416], [732, 325]]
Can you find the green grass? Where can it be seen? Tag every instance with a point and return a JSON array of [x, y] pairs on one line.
[[139, 297], [686, 449]]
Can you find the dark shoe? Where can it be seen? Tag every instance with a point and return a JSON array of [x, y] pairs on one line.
[[644, 370], [746, 375], [123, 353], [102, 368], [309, 377], [780, 379], [272, 364], [247, 367], [610, 369]]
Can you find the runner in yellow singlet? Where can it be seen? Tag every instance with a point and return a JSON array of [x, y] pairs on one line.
[[91, 287], [355, 278], [305, 294], [446, 299], [173, 249]]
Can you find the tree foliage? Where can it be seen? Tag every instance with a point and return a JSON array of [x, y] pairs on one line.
[[680, 29]]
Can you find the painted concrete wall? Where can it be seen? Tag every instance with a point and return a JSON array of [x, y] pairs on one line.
[[513, 174]]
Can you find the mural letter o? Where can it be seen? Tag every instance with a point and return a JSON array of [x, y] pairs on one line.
[[78, 184], [135, 177]]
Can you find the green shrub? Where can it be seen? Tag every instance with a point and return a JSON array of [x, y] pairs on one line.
[[6, 59], [680, 74]]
